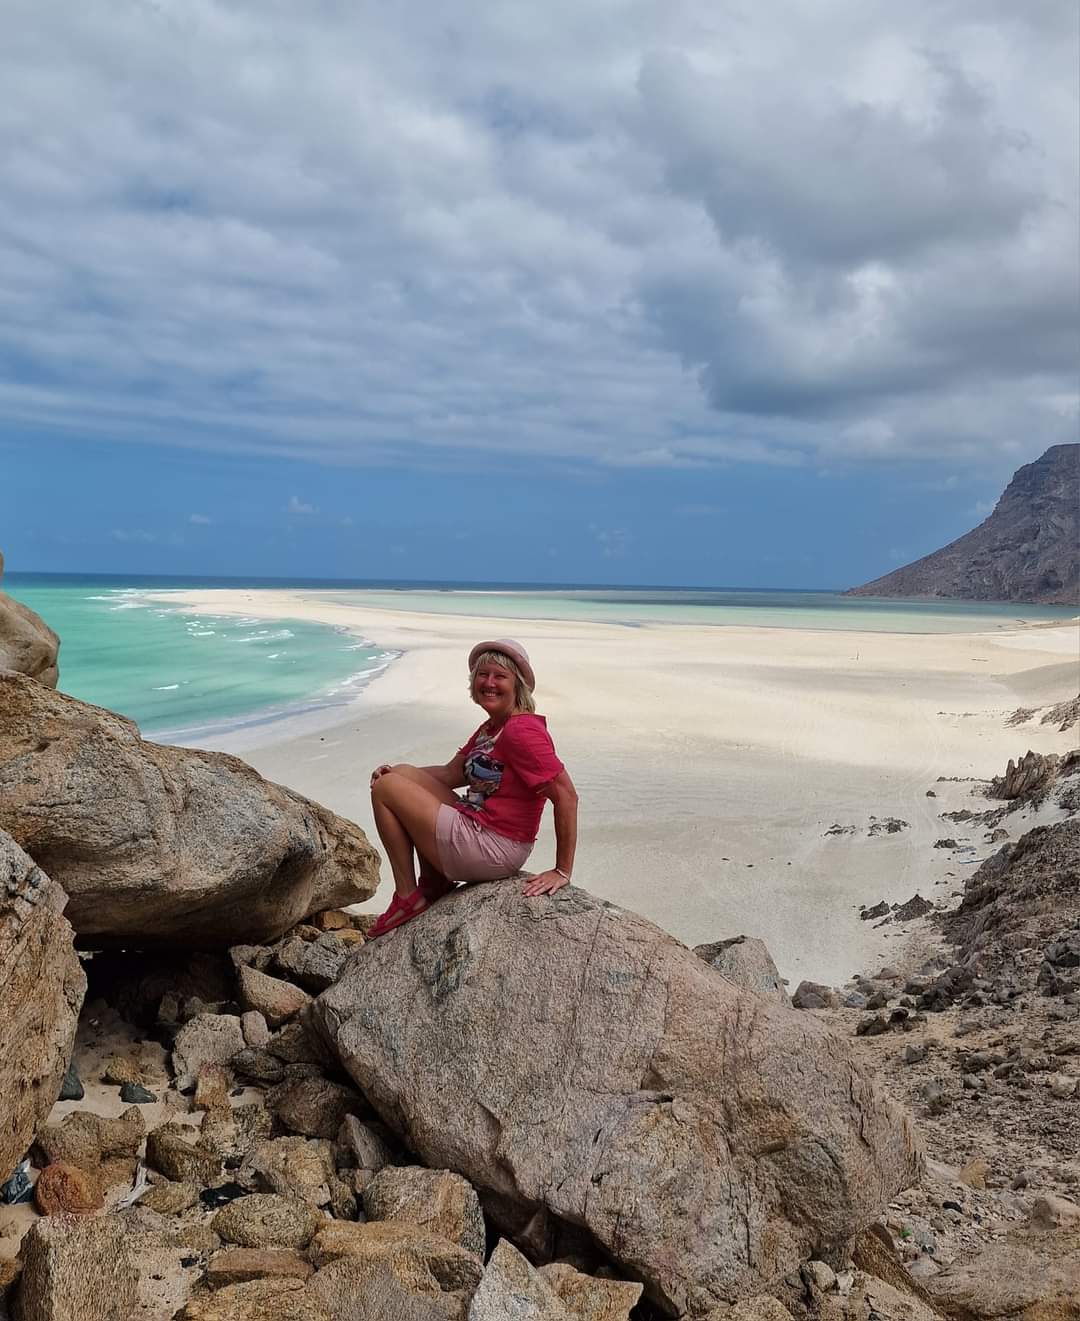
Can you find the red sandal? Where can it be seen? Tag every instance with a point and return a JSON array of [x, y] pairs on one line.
[[399, 912]]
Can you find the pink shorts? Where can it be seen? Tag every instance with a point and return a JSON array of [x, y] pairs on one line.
[[468, 852]]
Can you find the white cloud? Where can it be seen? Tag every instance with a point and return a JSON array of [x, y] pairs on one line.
[[820, 231], [200, 520], [298, 506], [133, 534]]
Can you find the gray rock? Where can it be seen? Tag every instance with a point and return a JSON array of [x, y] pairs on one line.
[[171, 1149], [41, 991], [512, 1288], [312, 1106], [258, 1066], [27, 644], [365, 1143], [164, 846], [205, 1039], [267, 1220], [315, 965], [75, 1268], [746, 962], [255, 1029], [275, 999], [133, 1093], [630, 1091], [438, 1201], [812, 995]]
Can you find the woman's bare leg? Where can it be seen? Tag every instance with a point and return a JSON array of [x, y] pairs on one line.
[[406, 809]]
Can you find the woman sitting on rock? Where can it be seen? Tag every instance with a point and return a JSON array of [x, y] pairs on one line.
[[507, 768]]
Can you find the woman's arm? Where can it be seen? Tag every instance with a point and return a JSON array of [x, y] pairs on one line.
[[564, 798]]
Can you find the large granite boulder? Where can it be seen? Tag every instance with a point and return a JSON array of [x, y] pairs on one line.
[[41, 991], [595, 1080], [27, 644], [165, 845]]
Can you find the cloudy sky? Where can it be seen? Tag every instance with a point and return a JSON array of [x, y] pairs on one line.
[[686, 291]]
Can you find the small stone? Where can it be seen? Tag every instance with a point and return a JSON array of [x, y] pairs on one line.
[[1062, 1086], [812, 995], [71, 1089], [205, 1039], [589, 1298], [351, 937], [331, 919], [295, 1043], [276, 1000], [254, 1027], [170, 1198], [258, 1065], [293, 1166], [64, 1189], [235, 1265], [819, 1276], [313, 1106], [368, 1147], [974, 1173], [134, 1093], [915, 1053], [169, 1150], [212, 1088], [438, 1201], [267, 1220], [121, 1069], [260, 1300]]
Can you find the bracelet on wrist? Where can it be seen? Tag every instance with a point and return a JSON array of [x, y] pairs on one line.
[[559, 872]]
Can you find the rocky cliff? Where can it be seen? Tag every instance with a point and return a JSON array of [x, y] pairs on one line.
[[1027, 550]]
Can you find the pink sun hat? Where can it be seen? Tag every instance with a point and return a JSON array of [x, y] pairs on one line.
[[508, 647]]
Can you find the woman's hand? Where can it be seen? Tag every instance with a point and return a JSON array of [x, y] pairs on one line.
[[380, 770], [547, 882]]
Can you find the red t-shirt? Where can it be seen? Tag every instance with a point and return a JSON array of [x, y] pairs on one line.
[[506, 773]]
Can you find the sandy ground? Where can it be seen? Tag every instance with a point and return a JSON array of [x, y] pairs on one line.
[[710, 762]]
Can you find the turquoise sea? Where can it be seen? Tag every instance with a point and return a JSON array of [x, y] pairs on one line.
[[177, 673]]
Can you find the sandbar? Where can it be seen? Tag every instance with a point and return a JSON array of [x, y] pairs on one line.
[[711, 762]]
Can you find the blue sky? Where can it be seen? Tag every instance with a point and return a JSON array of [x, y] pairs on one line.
[[690, 293]]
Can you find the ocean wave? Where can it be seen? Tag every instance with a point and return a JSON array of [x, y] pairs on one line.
[[166, 688]]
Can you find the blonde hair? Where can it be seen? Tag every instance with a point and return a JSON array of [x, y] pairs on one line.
[[523, 699]]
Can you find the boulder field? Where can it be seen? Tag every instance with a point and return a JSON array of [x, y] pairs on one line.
[[601, 1085], [164, 846]]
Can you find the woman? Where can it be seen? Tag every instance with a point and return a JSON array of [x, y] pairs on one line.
[[508, 769]]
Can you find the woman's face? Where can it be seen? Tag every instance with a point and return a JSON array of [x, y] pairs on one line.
[[493, 689]]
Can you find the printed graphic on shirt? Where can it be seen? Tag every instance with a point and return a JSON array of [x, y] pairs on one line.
[[482, 771]]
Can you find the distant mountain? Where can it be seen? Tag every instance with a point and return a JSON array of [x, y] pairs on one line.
[[1027, 550]]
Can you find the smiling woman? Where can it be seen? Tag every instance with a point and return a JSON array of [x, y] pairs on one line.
[[508, 768]]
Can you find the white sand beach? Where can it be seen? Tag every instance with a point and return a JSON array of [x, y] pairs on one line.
[[710, 762]]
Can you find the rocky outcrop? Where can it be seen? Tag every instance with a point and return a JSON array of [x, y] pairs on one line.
[[27, 644], [160, 845], [41, 991], [612, 1089], [746, 962], [1027, 550]]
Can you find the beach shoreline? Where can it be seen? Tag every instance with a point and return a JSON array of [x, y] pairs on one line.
[[712, 762]]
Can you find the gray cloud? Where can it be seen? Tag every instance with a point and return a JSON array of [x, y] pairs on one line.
[[825, 231]]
